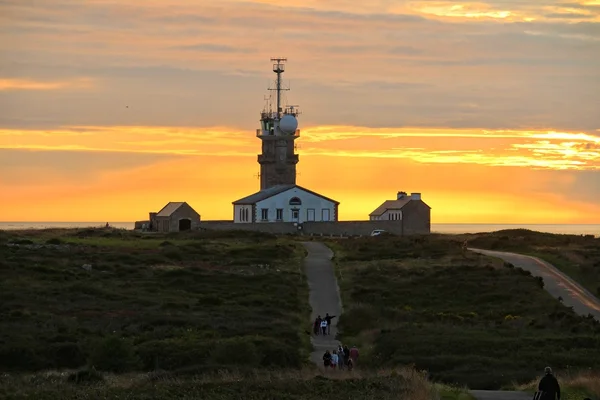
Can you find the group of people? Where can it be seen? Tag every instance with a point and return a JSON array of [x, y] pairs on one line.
[[322, 326], [341, 358]]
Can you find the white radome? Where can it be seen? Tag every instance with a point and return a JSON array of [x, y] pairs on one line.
[[288, 124]]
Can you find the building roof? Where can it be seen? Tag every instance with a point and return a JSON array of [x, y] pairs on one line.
[[275, 190], [170, 208], [390, 205]]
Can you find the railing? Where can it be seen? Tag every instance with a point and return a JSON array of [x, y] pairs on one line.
[[261, 133]]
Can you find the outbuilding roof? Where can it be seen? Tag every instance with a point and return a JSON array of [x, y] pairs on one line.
[[393, 205], [390, 205], [170, 208], [275, 190]]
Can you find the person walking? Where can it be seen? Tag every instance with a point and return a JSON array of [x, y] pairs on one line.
[[549, 386], [324, 327], [342, 357], [327, 359], [334, 359], [346, 355], [328, 318], [317, 325], [353, 355]]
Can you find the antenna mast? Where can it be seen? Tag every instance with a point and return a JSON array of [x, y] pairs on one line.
[[279, 68]]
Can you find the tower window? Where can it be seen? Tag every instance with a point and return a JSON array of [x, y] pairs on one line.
[[295, 201]]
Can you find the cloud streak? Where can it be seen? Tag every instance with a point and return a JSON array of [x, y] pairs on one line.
[[30, 84], [531, 149]]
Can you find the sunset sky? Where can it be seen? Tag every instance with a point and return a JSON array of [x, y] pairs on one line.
[[111, 108]]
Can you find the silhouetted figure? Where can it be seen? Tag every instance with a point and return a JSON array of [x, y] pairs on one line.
[[328, 318], [317, 325], [346, 354], [327, 359], [353, 354], [549, 386]]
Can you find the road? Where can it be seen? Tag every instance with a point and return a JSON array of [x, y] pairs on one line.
[[324, 295], [555, 282]]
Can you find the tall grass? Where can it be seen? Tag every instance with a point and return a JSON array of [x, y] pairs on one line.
[[400, 383], [573, 386]]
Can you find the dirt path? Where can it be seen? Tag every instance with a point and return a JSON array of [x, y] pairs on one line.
[[324, 296], [555, 282]]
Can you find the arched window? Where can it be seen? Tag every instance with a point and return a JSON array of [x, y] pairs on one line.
[[294, 201]]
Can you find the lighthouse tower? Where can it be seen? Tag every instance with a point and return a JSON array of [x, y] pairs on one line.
[[278, 130]]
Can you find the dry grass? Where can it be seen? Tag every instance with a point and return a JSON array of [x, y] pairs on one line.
[[574, 386], [399, 383]]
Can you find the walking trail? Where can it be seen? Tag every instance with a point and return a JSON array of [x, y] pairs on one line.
[[555, 282], [324, 298], [324, 295]]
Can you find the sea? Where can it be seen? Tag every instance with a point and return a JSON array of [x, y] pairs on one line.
[[573, 229]]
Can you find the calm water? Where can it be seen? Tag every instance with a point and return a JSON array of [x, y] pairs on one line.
[[576, 229]]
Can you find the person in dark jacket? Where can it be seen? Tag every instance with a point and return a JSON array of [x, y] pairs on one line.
[[328, 318], [317, 325], [549, 385], [327, 359]]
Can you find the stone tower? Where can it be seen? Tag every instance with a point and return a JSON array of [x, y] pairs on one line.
[[278, 131]]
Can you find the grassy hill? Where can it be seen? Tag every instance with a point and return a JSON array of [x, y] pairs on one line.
[[465, 318], [576, 255], [125, 302]]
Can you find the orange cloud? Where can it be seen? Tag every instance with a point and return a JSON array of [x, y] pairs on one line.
[[534, 149], [27, 84]]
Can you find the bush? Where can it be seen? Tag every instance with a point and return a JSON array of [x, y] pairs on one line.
[[173, 353], [236, 351], [88, 375], [114, 354]]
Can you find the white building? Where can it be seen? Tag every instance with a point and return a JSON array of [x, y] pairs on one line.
[[285, 203]]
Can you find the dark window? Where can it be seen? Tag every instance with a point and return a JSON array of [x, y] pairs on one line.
[[279, 214], [264, 214], [295, 214], [294, 201]]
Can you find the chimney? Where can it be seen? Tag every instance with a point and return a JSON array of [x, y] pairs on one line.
[[415, 196], [401, 195]]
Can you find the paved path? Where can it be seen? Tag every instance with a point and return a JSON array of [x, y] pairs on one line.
[[500, 395], [555, 282], [324, 295]]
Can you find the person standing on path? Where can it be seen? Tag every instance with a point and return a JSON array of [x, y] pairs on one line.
[[317, 325], [328, 318], [334, 359], [353, 354], [549, 386], [324, 326], [327, 359], [342, 357]]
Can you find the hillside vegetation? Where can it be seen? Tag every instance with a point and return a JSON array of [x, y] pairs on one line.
[[578, 256], [398, 384], [465, 318], [122, 301]]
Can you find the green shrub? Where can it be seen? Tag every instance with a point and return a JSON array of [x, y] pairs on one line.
[[236, 351], [114, 354], [173, 353]]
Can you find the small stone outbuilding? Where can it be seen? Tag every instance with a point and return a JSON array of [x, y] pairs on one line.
[[176, 216], [412, 212]]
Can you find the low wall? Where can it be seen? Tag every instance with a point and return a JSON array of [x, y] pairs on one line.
[[270, 227], [337, 228]]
